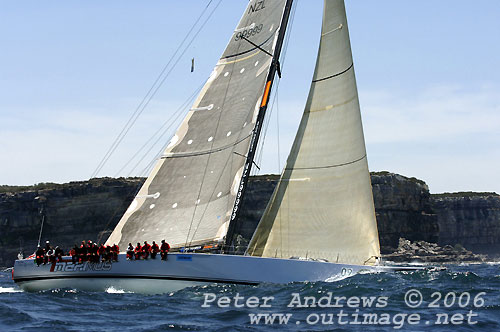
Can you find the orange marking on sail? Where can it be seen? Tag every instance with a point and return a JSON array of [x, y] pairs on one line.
[[266, 94]]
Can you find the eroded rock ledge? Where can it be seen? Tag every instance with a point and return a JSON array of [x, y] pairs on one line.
[[425, 252]]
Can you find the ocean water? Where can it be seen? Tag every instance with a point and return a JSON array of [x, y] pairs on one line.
[[460, 298]]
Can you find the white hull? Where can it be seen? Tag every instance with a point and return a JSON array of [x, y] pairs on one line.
[[179, 271]]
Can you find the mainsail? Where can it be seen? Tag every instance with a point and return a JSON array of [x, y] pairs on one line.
[[189, 196], [322, 207]]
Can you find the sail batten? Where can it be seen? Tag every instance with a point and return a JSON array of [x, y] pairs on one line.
[[322, 207], [329, 166], [334, 75], [198, 174]]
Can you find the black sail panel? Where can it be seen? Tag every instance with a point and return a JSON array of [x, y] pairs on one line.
[[188, 197]]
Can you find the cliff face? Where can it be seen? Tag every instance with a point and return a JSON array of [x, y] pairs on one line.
[[404, 208], [73, 212], [469, 219]]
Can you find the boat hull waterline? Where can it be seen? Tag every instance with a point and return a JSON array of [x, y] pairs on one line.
[[154, 276]]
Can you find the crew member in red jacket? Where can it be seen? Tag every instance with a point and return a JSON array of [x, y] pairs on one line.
[[130, 251], [146, 249], [115, 250], [82, 257], [154, 250], [138, 251], [109, 253], [91, 251], [101, 251], [165, 247]]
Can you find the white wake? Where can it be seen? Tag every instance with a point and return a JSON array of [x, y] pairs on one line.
[[112, 290], [9, 290]]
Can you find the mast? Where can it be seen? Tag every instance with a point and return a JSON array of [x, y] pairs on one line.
[[275, 68]]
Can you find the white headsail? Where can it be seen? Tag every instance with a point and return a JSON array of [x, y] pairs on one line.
[[323, 207]]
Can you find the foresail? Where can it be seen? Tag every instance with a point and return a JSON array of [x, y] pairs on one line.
[[322, 207], [188, 197]]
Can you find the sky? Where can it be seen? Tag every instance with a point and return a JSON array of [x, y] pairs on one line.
[[73, 72]]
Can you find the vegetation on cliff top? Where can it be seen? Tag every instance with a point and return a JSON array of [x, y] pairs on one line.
[[465, 194], [51, 185], [412, 179], [264, 177], [38, 186]]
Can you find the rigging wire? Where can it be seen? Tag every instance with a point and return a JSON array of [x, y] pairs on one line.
[[155, 87], [278, 129], [163, 130], [148, 168], [174, 121]]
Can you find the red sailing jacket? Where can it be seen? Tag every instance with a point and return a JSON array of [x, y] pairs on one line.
[[165, 247]]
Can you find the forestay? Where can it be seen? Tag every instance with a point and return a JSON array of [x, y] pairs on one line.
[[323, 207], [188, 197]]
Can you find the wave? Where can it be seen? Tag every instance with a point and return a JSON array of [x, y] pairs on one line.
[[112, 290], [493, 263], [337, 277], [10, 290]]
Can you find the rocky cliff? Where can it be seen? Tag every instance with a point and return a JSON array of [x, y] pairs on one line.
[[403, 209], [425, 252], [469, 219], [73, 212], [86, 210]]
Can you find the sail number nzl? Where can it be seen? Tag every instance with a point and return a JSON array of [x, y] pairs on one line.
[[259, 5], [248, 32]]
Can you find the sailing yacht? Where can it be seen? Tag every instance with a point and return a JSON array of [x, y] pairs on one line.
[[320, 222]]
